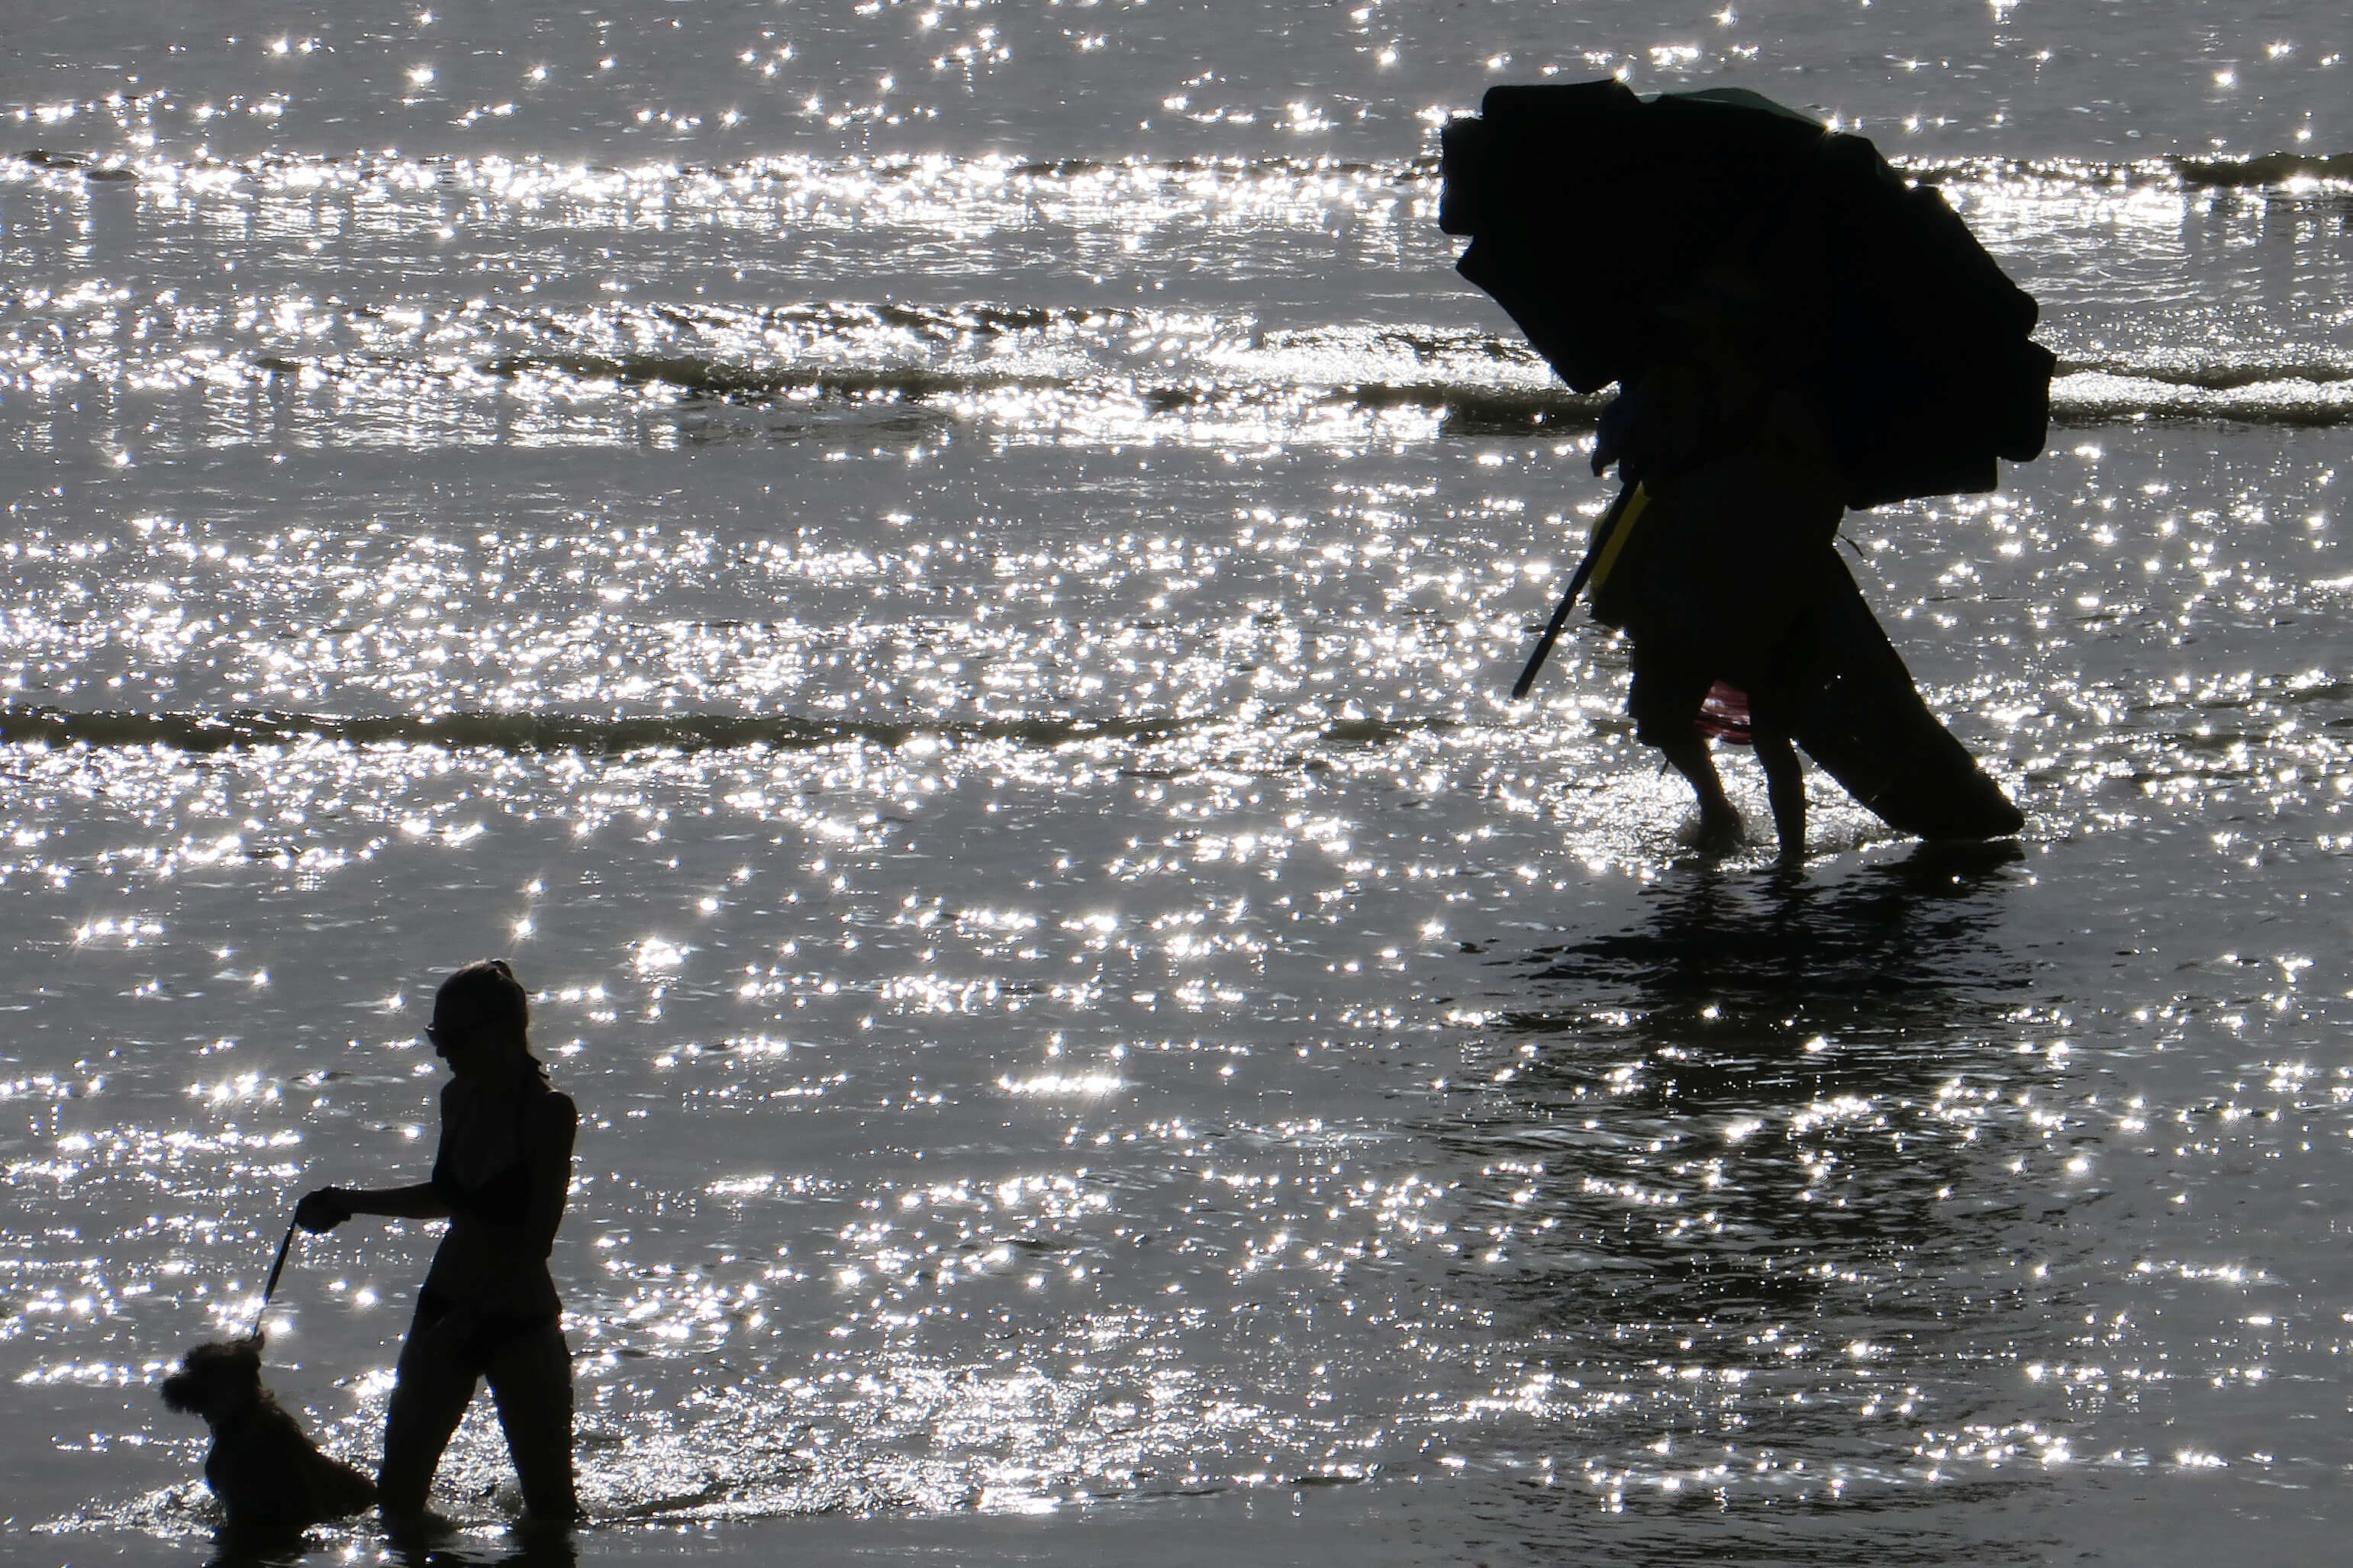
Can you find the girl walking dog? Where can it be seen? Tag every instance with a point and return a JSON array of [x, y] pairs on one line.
[[488, 1309]]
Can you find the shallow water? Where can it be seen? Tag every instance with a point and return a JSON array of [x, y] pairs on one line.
[[964, 658]]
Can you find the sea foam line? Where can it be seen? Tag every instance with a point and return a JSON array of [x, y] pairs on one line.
[[537, 732]]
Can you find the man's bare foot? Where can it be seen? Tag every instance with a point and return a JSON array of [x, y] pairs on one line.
[[1717, 830], [551, 1521], [415, 1527]]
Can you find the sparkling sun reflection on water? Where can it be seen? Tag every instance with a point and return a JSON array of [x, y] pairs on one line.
[[969, 685]]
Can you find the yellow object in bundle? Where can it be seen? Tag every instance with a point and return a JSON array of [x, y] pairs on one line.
[[1635, 503]]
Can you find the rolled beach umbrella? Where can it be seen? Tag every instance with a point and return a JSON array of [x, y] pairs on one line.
[[1592, 213]]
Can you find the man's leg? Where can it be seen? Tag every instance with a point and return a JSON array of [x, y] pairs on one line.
[[1664, 698], [1785, 785], [1719, 820]]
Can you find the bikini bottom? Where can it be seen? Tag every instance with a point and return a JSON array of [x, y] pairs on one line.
[[489, 1333]]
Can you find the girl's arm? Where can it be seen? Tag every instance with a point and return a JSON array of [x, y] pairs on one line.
[[329, 1206], [416, 1202]]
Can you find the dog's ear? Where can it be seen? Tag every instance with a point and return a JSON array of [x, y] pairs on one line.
[[179, 1394], [251, 1344]]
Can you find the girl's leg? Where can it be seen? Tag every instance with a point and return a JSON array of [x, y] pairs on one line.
[[530, 1380], [430, 1391]]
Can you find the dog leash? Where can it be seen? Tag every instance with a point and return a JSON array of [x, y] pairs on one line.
[[276, 1270]]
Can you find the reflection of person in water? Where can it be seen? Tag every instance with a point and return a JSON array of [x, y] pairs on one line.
[[1720, 550], [488, 1309], [1829, 1012]]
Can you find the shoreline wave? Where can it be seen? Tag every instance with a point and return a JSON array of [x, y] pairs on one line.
[[525, 733], [2306, 391], [531, 731], [1506, 393], [2286, 172]]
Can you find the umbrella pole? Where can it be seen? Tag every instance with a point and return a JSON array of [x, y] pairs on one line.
[[1603, 531]]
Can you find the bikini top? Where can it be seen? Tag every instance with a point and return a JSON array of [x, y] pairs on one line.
[[503, 1197]]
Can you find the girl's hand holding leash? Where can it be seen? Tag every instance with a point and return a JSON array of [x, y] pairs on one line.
[[321, 1210]]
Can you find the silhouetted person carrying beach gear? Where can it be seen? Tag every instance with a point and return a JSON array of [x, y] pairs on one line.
[[488, 1309], [1722, 554], [1795, 328]]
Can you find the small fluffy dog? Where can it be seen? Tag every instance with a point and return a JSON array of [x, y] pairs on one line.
[[267, 1475]]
